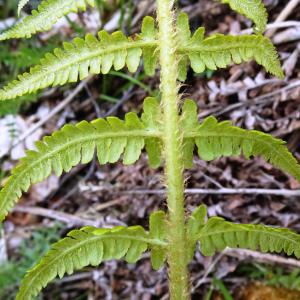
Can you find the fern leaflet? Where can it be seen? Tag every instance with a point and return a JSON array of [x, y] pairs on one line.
[[215, 139], [83, 57], [195, 223], [158, 231], [21, 4], [88, 246], [218, 51], [217, 234], [42, 19], [252, 9], [75, 144]]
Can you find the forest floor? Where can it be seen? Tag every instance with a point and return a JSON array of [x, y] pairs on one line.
[[126, 195]]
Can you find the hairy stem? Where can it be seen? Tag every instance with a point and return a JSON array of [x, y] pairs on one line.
[[178, 274]]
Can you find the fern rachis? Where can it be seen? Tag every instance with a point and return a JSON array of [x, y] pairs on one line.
[[167, 135]]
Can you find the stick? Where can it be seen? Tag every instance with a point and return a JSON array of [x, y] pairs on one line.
[[262, 257], [263, 99], [55, 111], [243, 254], [208, 271], [275, 25], [220, 191], [69, 219], [284, 15]]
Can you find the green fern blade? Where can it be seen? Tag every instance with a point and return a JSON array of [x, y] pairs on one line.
[[158, 231], [42, 19], [72, 145], [152, 117], [189, 121], [21, 5], [217, 234], [78, 60], [252, 9], [215, 139], [195, 223], [219, 51], [88, 246]]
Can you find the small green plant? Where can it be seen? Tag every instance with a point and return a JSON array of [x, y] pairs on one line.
[[273, 276], [168, 129], [12, 272]]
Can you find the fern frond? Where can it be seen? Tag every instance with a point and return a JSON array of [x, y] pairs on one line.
[[252, 9], [217, 234], [42, 19], [88, 246], [150, 55], [75, 144], [195, 224], [215, 139], [219, 51], [95, 56], [21, 4], [189, 122], [158, 231], [86, 56], [151, 118]]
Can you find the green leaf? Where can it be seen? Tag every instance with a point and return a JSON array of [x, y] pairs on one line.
[[81, 248], [184, 36], [152, 117], [219, 51], [75, 144], [217, 234], [215, 139], [77, 60], [195, 223], [189, 121], [94, 56], [158, 231], [252, 9], [149, 34], [224, 291], [42, 19]]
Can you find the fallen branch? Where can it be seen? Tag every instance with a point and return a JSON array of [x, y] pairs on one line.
[[69, 219], [262, 257], [289, 8], [275, 25], [263, 99], [52, 113], [220, 191]]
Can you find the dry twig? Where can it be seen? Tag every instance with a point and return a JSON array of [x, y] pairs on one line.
[[292, 4]]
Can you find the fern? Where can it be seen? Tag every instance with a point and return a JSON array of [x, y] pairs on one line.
[[92, 56], [75, 144], [215, 139], [158, 231], [218, 51], [42, 19], [83, 57], [194, 225], [217, 234], [164, 44], [252, 9], [88, 246]]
